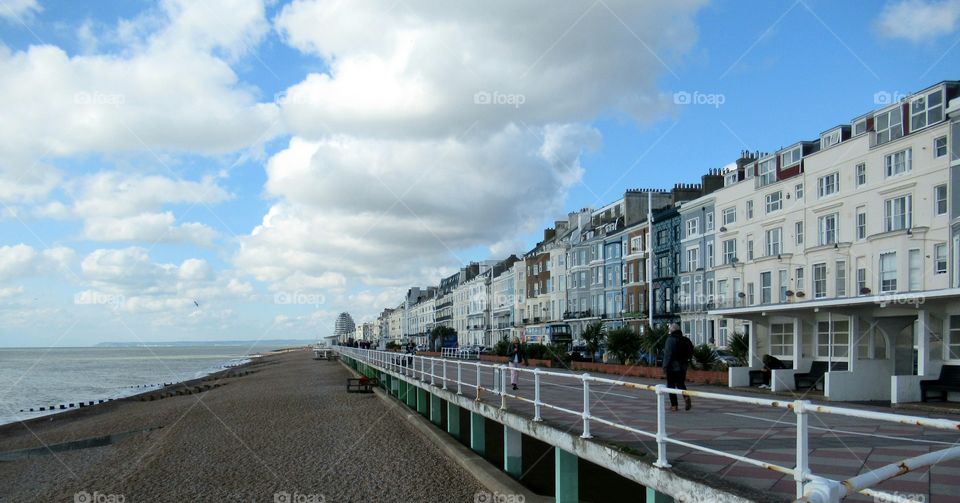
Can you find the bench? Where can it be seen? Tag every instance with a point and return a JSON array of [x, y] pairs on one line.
[[361, 384], [809, 380], [758, 377], [949, 381]]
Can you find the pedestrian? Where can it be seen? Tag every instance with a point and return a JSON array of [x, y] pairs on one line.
[[515, 356], [676, 357]]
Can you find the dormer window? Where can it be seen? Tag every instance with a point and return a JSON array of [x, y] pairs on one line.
[[859, 127], [830, 139], [889, 125], [926, 109], [767, 171], [790, 157]]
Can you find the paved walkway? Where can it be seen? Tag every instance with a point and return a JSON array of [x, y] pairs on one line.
[[841, 447]]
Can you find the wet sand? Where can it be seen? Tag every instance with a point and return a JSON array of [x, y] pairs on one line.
[[281, 429]]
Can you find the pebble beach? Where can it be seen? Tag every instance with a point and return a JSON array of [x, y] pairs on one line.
[[280, 429]]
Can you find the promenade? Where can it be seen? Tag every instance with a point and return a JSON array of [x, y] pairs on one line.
[[283, 430], [840, 447]]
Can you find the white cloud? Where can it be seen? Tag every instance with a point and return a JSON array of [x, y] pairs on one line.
[[16, 260], [420, 74], [918, 20], [18, 10]]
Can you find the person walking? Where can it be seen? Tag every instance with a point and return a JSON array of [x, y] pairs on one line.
[[676, 357], [515, 356]]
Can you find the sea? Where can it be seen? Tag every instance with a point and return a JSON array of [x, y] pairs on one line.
[[49, 377]]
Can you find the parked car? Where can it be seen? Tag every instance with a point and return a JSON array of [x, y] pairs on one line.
[[725, 357], [579, 354]]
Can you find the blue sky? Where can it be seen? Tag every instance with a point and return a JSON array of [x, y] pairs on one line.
[[279, 164]]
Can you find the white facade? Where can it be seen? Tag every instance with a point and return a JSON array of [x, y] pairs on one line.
[[397, 323], [478, 310], [420, 318]]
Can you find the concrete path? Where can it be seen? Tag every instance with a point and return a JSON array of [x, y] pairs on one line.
[[841, 447]]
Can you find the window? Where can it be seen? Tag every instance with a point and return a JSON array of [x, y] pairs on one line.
[[859, 127], [940, 147], [693, 259], [819, 281], [926, 109], [953, 340], [766, 287], [774, 201], [729, 251], [798, 191], [767, 172], [749, 249], [913, 270], [830, 139], [861, 222], [827, 225], [828, 185], [898, 163], [833, 339], [790, 157], [798, 278], [693, 227], [783, 284], [751, 299], [709, 221], [798, 232], [728, 216], [898, 213], [781, 339], [841, 278], [749, 210], [940, 258], [861, 280], [773, 242], [940, 199], [861, 174], [888, 272], [888, 125], [710, 254], [721, 289]]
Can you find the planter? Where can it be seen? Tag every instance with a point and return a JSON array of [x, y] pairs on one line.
[[503, 359], [696, 376]]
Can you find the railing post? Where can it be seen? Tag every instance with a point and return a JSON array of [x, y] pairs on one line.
[[432, 371], [536, 394], [478, 381], [444, 363], [661, 428], [503, 387], [459, 378], [803, 445], [586, 406]]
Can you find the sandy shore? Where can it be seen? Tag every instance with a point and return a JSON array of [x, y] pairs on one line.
[[279, 429]]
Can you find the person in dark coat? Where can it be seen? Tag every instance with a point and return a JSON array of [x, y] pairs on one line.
[[674, 367], [515, 356]]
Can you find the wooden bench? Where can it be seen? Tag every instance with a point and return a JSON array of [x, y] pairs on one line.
[[949, 381], [362, 384], [809, 380]]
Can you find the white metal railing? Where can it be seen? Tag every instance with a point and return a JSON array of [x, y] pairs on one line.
[[809, 487], [460, 353]]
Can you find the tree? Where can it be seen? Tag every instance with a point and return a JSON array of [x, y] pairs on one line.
[[739, 346], [593, 336], [653, 340], [623, 343], [704, 357], [439, 333]]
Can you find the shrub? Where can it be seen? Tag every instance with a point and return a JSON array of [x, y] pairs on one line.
[[623, 343], [393, 346], [558, 353], [739, 346], [536, 351], [704, 358], [502, 347], [593, 336]]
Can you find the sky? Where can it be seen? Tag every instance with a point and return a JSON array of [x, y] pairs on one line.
[[248, 169]]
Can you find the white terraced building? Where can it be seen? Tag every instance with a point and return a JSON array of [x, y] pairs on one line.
[[840, 250]]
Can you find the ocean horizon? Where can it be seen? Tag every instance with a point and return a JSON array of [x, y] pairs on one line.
[[49, 377]]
